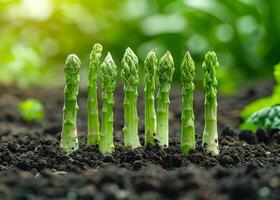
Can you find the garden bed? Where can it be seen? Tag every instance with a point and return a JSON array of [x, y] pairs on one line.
[[32, 165]]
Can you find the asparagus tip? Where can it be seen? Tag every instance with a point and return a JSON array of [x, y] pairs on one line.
[[72, 63], [97, 48], [96, 53]]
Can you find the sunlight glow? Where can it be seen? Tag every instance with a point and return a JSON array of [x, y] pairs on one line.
[[31, 9]]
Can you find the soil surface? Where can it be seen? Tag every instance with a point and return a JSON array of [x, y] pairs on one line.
[[33, 167]]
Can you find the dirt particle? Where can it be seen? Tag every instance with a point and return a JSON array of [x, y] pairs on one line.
[[226, 160], [137, 164], [276, 137], [108, 159], [228, 132], [197, 157], [262, 135], [248, 136]]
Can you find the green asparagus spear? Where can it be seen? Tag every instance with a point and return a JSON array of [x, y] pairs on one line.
[[210, 134], [108, 78], [69, 137], [165, 72], [93, 136], [130, 77], [187, 126], [150, 114]]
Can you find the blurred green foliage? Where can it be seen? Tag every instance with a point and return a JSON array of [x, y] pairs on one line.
[[266, 102], [36, 35], [31, 110]]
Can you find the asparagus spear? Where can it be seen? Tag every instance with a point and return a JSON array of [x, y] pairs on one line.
[[93, 136], [210, 134], [130, 77], [69, 137], [165, 72], [150, 114], [187, 126], [108, 78]]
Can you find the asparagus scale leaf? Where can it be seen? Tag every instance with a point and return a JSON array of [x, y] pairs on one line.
[[93, 136], [150, 65], [187, 126], [69, 137], [129, 74], [108, 79], [210, 134], [165, 72]]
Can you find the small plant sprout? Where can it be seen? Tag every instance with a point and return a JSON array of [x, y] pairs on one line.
[[187, 126], [69, 137], [93, 137], [165, 72], [31, 110], [108, 79], [129, 74], [150, 114], [210, 134]]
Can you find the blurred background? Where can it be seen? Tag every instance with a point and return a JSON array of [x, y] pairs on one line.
[[37, 35]]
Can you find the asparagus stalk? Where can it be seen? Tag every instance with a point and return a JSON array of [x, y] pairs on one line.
[[187, 126], [210, 134], [130, 77], [69, 137], [108, 78], [165, 72], [150, 114], [93, 136]]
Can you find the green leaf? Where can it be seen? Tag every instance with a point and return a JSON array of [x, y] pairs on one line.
[[258, 105], [268, 118]]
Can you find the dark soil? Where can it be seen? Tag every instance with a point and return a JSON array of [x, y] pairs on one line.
[[33, 167]]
